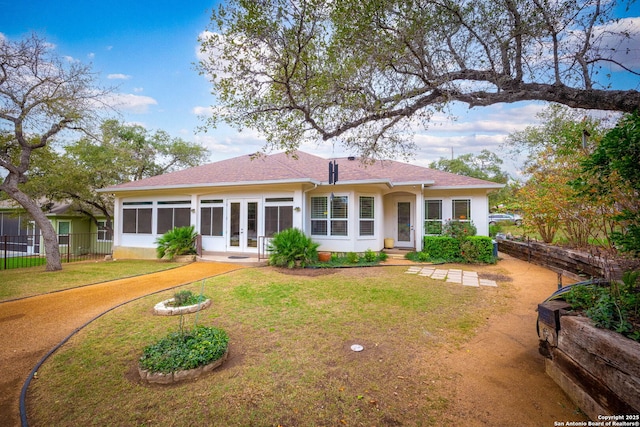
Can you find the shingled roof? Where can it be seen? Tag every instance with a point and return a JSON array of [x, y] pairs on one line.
[[301, 167]]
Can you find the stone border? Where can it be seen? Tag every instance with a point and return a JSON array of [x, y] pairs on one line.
[[177, 376], [161, 308]]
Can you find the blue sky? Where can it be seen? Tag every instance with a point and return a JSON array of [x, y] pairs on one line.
[[148, 50]]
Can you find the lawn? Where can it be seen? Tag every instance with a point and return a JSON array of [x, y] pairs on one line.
[[290, 361], [24, 282]]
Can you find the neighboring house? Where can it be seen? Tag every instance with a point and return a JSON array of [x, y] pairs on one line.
[[77, 234], [237, 204]]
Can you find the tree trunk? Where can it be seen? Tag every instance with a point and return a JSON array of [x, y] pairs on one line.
[[49, 235]]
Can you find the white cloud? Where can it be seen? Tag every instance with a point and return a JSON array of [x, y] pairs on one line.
[[118, 76], [138, 89], [130, 103], [91, 55]]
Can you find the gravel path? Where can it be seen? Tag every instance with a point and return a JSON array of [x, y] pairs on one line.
[[31, 327]]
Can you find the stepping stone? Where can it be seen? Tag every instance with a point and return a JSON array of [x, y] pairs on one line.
[[471, 273], [426, 271], [470, 281], [439, 274], [454, 279], [413, 270], [485, 282]]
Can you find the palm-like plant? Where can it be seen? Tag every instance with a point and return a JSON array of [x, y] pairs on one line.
[[291, 247], [178, 241]]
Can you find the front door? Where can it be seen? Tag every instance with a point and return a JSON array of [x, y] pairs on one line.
[[404, 237], [243, 226]]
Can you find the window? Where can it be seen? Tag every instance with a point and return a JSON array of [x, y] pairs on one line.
[[171, 217], [433, 217], [103, 233], [366, 216], [277, 218], [64, 228], [461, 210], [319, 215], [329, 216], [211, 220], [136, 219], [339, 215]]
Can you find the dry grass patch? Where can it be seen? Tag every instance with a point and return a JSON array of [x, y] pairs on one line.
[[290, 361]]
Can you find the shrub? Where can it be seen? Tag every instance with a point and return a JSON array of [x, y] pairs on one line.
[[469, 249], [291, 247], [186, 297], [459, 229], [477, 249], [370, 256], [615, 307], [178, 351], [178, 241], [352, 258], [442, 247]]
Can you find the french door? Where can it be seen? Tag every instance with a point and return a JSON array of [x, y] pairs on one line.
[[243, 225]]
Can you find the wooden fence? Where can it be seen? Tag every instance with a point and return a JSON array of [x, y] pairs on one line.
[[578, 265]]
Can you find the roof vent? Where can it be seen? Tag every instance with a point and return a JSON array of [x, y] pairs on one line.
[[351, 158]]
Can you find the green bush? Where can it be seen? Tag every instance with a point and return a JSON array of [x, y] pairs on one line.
[[615, 307], [178, 351], [472, 249], [477, 249], [459, 229], [352, 258], [442, 247], [291, 248], [178, 241], [185, 298]]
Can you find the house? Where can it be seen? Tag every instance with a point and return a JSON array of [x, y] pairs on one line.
[[237, 204], [77, 234]]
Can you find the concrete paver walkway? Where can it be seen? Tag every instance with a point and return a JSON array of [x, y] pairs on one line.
[[466, 278], [31, 327]]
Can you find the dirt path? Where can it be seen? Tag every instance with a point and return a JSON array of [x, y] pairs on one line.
[[501, 379], [31, 327], [499, 375]]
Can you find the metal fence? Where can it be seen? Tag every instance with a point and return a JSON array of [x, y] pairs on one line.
[[28, 250]]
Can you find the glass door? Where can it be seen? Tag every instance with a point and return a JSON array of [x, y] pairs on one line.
[[243, 225], [404, 236]]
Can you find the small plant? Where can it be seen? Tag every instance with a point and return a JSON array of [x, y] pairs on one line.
[[352, 258], [291, 248], [615, 307], [178, 241], [182, 351], [186, 297], [419, 256], [370, 256]]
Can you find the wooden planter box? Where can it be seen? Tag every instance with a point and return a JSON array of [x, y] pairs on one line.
[[597, 368]]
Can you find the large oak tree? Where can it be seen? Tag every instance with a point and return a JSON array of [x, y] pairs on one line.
[[41, 95], [367, 72]]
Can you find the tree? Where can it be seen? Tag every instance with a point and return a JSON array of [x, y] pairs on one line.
[[485, 165], [122, 153], [554, 152], [369, 71], [40, 96], [613, 170]]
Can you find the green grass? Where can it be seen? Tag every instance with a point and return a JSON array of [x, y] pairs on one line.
[[21, 262], [290, 361], [23, 282]]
